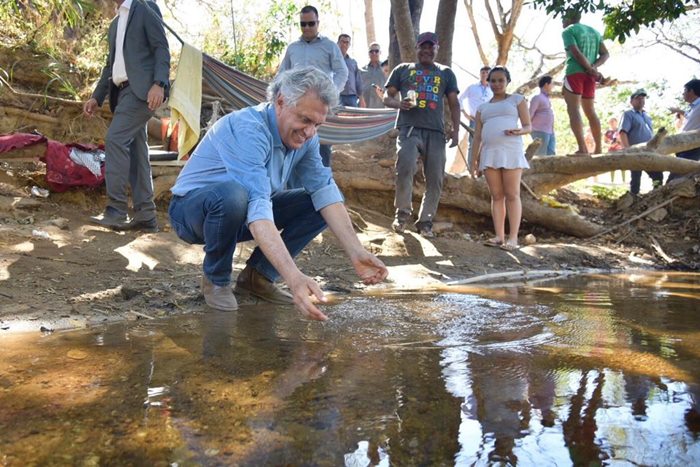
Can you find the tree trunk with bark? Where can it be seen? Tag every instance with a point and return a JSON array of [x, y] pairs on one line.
[[503, 26], [532, 84], [445, 29], [402, 30], [469, 5], [369, 22]]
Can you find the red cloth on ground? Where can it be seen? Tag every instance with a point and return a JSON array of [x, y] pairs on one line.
[[19, 140], [62, 173]]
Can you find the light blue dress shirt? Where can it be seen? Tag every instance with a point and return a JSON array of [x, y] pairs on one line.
[[692, 116], [245, 147], [637, 125]]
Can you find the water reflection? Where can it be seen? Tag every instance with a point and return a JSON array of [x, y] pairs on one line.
[[584, 371], [596, 414]]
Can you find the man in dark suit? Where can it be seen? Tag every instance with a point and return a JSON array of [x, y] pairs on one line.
[[136, 78]]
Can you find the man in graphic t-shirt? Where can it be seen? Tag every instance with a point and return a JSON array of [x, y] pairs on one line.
[[417, 90]]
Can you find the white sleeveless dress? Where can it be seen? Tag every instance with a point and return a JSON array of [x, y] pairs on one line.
[[499, 151]]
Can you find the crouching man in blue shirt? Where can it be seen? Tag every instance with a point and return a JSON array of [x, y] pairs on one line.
[[234, 189]]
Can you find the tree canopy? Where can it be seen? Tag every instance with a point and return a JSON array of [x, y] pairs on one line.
[[622, 18]]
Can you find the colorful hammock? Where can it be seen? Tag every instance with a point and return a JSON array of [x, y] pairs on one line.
[[346, 125]]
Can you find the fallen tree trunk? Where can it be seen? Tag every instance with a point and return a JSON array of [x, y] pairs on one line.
[[366, 167], [677, 143], [548, 173]]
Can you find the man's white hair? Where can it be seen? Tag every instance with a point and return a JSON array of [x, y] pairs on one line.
[[294, 84]]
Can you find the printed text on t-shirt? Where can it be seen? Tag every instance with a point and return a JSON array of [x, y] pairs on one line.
[[428, 87]]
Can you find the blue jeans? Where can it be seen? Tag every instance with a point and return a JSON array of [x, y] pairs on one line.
[[549, 143], [215, 216]]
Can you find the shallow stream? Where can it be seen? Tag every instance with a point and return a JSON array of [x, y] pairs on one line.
[[583, 371]]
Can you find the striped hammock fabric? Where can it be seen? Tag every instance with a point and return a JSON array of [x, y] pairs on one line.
[[345, 125]]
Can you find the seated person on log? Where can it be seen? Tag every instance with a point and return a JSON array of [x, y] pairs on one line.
[[234, 189]]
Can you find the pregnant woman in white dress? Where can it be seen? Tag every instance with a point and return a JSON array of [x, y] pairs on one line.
[[499, 155]]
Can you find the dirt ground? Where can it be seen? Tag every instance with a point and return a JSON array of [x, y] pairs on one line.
[[57, 271]]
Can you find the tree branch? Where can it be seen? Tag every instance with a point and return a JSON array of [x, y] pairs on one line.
[[469, 5], [492, 20]]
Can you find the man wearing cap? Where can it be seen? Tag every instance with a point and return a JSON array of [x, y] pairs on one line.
[[635, 128], [351, 95], [417, 90], [373, 78], [313, 49]]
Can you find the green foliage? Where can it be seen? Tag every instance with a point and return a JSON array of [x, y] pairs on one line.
[[608, 193], [60, 79], [259, 54], [67, 35], [25, 17], [262, 32], [621, 18], [260, 38]]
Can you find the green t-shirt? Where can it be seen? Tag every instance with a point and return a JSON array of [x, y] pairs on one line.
[[430, 84], [586, 39]]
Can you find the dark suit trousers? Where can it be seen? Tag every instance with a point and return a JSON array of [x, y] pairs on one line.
[[126, 162], [691, 154]]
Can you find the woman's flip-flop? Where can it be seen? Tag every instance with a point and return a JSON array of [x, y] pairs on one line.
[[509, 246], [495, 242]]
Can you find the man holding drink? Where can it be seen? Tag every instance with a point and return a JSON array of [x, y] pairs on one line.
[[417, 90]]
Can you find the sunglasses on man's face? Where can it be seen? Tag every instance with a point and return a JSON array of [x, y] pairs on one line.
[[374, 51], [304, 24]]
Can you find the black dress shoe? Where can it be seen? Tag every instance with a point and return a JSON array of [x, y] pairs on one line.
[[150, 225], [110, 218]]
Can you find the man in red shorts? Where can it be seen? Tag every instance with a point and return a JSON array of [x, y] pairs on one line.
[[585, 52]]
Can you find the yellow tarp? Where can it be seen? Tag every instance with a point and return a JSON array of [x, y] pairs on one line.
[[186, 98]]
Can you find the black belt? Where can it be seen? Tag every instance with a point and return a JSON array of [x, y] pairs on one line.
[[122, 85]]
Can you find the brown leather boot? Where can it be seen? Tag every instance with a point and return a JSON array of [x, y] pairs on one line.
[[218, 297], [252, 282]]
